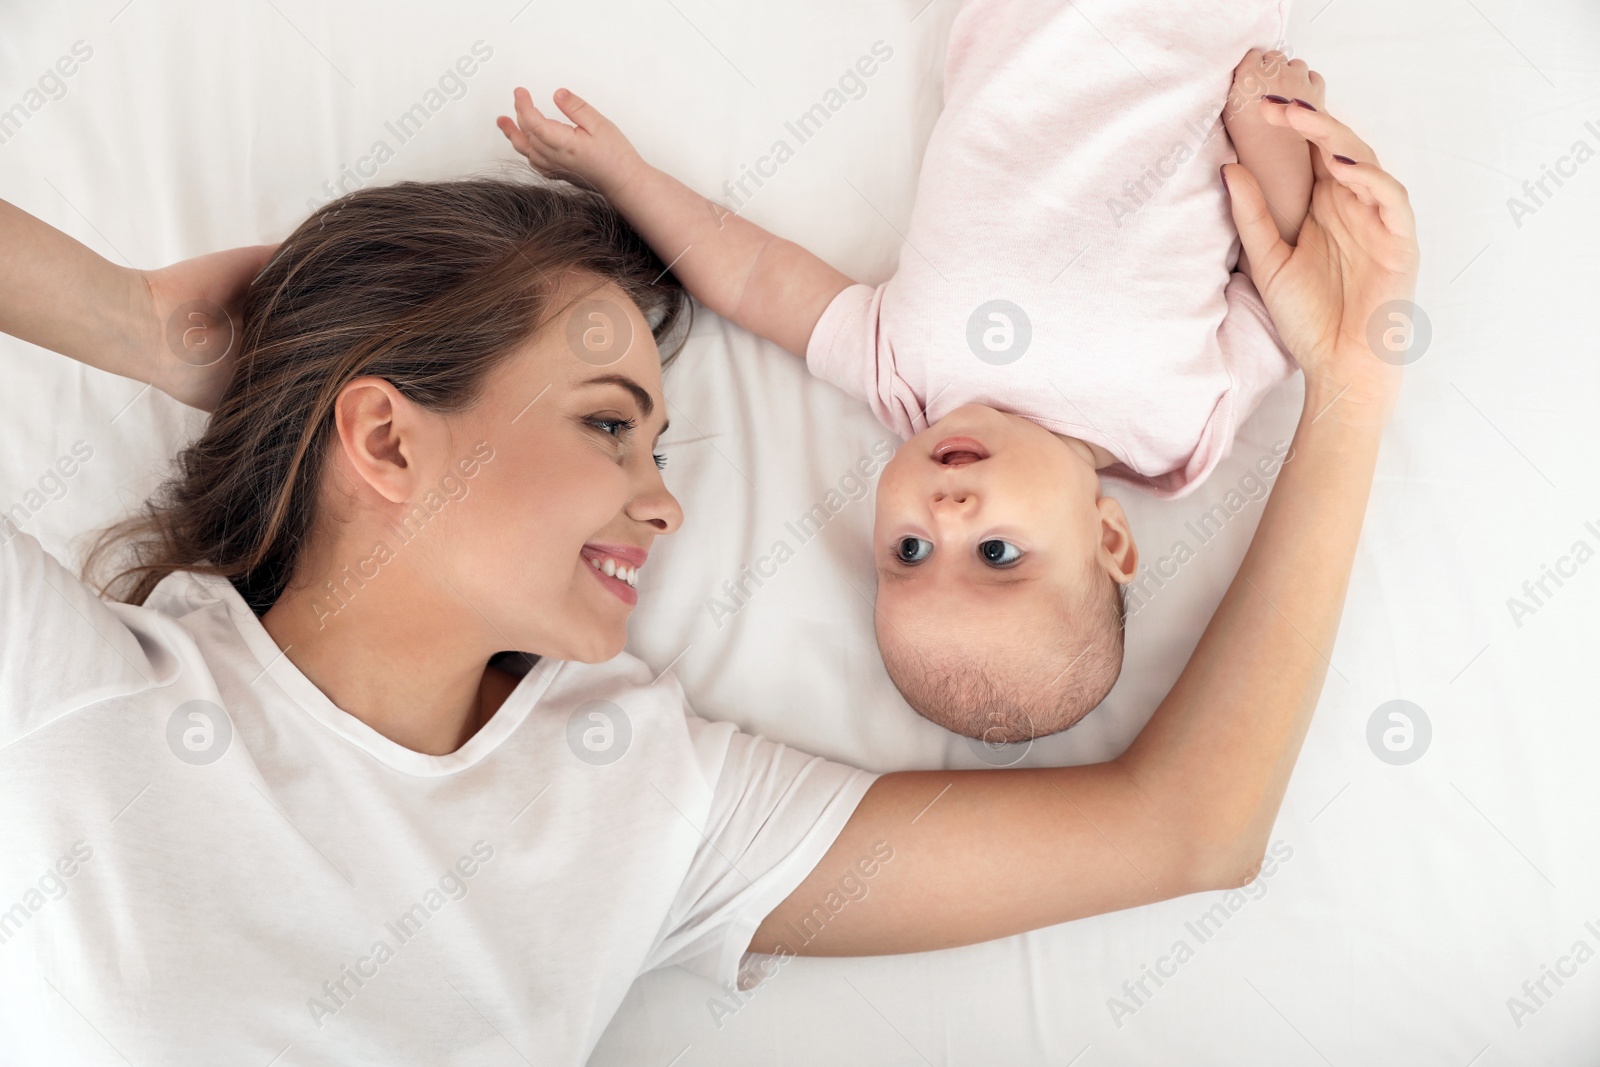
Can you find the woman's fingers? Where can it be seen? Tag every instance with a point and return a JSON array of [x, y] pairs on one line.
[[1257, 232], [1328, 136], [253, 259], [1374, 185], [1324, 131]]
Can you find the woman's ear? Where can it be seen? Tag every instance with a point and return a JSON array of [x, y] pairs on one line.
[[1118, 554], [379, 433]]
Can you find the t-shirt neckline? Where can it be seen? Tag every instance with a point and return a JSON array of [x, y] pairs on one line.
[[271, 662]]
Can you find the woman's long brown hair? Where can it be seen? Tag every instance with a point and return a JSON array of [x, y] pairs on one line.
[[426, 285]]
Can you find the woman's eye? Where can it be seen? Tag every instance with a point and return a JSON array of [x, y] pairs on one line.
[[661, 462], [998, 553], [912, 549], [612, 427]]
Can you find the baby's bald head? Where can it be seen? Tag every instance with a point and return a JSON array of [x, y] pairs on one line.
[[1000, 569], [1033, 667]]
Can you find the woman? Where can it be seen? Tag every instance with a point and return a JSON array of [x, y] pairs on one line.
[[289, 808]]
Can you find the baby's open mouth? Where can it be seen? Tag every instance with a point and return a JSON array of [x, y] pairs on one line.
[[959, 451]]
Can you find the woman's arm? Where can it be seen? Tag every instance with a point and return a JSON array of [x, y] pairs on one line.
[[174, 328], [771, 287], [66, 298], [1189, 806], [1186, 808]]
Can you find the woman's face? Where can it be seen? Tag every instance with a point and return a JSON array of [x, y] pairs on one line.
[[548, 531]]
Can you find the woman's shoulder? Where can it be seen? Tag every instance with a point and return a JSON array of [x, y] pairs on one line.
[[63, 646]]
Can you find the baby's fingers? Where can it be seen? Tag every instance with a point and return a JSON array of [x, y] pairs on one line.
[[582, 113], [519, 140], [533, 123]]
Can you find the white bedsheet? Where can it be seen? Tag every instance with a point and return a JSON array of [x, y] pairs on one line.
[[1417, 898]]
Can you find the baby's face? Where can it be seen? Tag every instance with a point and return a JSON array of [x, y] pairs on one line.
[[984, 520]]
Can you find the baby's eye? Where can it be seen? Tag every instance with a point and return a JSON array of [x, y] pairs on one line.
[[998, 553], [912, 549]]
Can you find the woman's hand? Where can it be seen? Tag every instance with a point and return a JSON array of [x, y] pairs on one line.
[[176, 328], [190, 316], [590, 152], [1353, 268]]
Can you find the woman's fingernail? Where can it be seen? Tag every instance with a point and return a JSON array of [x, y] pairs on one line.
[[1303, 104], [1275, 98], [1343, 159]]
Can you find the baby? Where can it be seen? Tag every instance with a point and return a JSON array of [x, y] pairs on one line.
[[1063, 311]]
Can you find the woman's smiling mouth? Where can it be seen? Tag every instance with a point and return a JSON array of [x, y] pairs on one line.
[[617, 568]]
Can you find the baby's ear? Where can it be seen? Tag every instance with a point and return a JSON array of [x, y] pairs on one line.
[[1118, 554]]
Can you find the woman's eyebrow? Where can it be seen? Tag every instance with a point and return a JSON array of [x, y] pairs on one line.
[[640, 396]]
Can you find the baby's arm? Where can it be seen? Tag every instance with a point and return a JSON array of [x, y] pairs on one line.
[[771, 287], [1274, 154]]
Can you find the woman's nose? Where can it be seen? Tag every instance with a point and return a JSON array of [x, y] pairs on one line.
[[657, 507]]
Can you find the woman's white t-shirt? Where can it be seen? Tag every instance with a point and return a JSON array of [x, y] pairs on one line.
[[203, 860]]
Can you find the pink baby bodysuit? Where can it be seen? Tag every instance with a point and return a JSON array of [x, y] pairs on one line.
[[1068, 257]]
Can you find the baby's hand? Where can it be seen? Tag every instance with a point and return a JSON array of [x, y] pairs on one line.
[[1275, 154], [591, 152]]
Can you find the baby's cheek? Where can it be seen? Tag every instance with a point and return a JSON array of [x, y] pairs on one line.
[[888, 502], [888, 621]]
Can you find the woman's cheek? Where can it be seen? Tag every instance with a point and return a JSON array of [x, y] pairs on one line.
[[591, 494]]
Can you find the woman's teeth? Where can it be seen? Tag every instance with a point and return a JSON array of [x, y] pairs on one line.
[[612, 569]]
